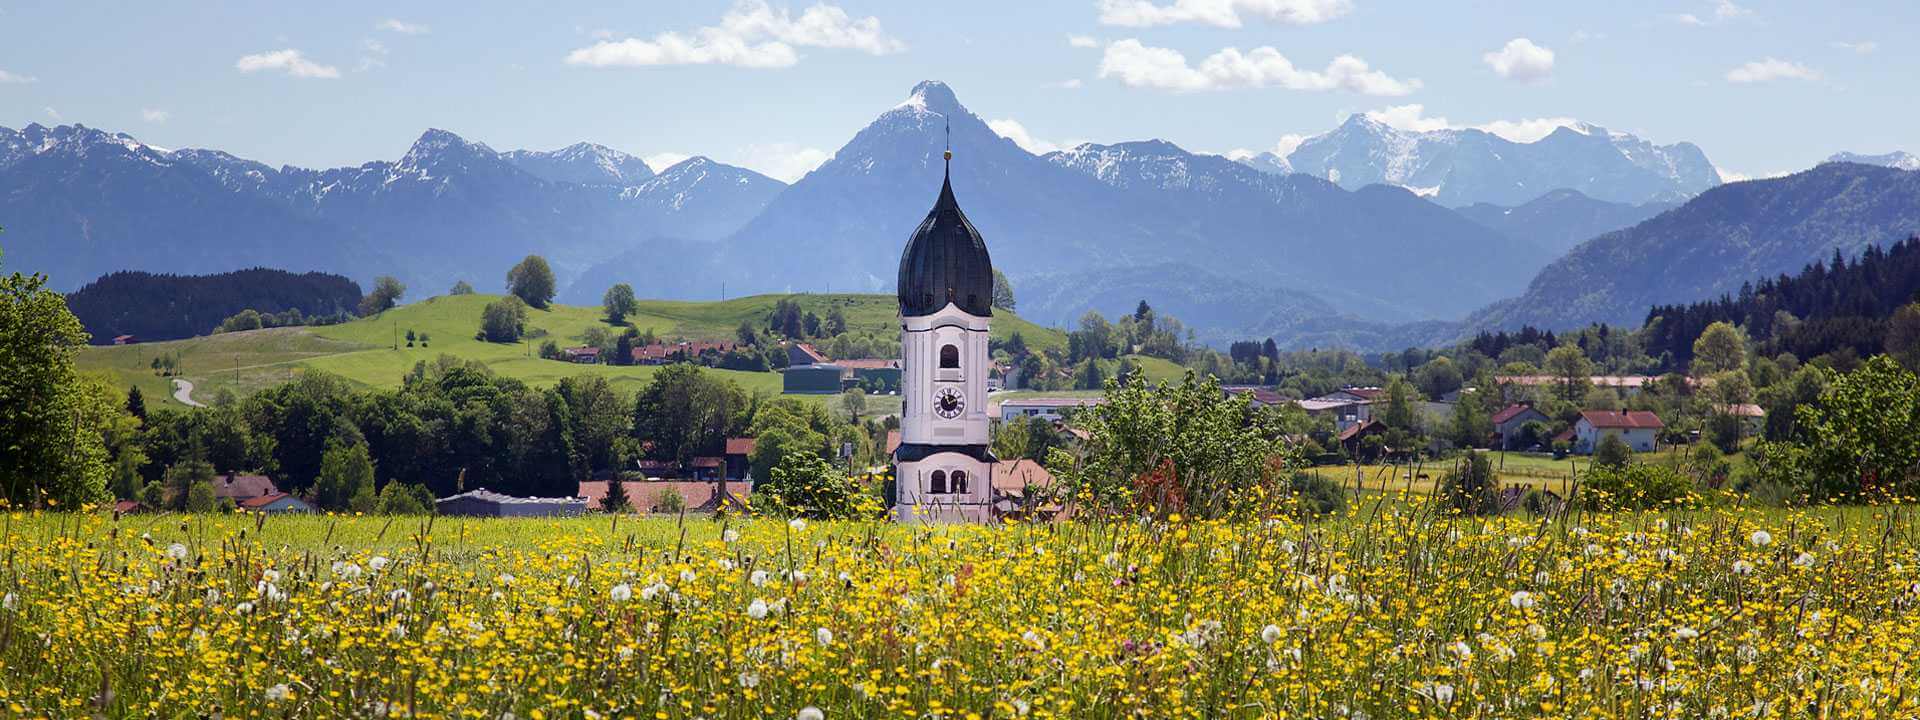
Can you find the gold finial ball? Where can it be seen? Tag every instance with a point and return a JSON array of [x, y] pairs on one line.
[[949, 154]]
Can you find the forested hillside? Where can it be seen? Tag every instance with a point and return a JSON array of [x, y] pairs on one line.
[[167, 307]]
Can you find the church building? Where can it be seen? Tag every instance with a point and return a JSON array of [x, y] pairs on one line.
[[943, 469]]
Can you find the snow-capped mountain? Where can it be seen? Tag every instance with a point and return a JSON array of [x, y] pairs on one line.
[[1456, 167], [79, 203], [1898, 159], [583, 163], [1110, 210]]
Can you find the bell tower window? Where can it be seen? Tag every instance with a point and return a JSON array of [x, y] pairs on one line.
[[939, 486], [959, 482], [949, 357]]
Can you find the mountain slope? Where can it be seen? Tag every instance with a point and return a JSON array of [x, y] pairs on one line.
[[1115, 209], [1465, 166], [1561, 219], [582, 163], [1898, 159], [80, 203], [1715, 242]]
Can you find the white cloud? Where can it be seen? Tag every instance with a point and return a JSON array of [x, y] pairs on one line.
[[16, 78], [289, 61], [375, 55], [1723, 11], [785, 162], [402, 27], [1138, 65], [663, 160], [1863, 47], [1082, 41], [1287, 144], [1689, 19], [1012, 130], [1521, 60], [1733, 176], [52, 113], [751, 34], [154, 115], [1769, 70], [1413, 117], [1220, 13]]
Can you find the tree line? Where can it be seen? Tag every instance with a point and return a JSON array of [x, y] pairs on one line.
[[163, 307]]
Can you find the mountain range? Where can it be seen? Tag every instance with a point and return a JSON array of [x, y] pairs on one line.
[[1366, 236], [1464, 166]]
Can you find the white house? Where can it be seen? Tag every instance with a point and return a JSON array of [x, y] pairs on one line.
[[1509, 423], [1045, 408], [1639, 428]]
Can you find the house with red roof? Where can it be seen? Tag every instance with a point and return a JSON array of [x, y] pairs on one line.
[[1640, 429], [278, 502], [1509, 424], [241, 488]]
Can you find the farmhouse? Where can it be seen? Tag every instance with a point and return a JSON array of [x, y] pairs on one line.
[[662, 353], [241, 488], [276, 503], [1045, 408], [814, 379], [487, 503], [1345, 411], [1022, 490], [1353, 439], [804, 354], [584, 355], [1640, 429], [1509, 423]]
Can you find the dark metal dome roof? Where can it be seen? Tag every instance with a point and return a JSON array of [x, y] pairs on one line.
[[945, 261]]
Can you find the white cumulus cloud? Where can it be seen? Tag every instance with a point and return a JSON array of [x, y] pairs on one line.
[[663, 160], [1521, 60], [781, 161], [402, 27], [1012, 130], [289, 61], [1413, 117], [752, 34], [16, 78], [1220, 13], [1138, 65], [1769, 70], [154, 115]]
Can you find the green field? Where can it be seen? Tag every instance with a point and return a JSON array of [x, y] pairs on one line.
[[373, 352]]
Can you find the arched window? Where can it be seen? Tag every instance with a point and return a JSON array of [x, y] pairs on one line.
[[959, 482], [939, 486], [949, 357]]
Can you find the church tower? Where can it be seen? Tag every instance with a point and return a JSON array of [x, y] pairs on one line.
[[943, 470]]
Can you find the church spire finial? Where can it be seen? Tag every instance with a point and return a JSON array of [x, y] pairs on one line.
[[949, 153]]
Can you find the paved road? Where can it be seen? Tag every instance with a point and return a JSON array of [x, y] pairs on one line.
[[183, 391]]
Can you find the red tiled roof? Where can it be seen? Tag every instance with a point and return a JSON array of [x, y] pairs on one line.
[[708, 462], [127, 506], [740, 446], [1509, 413], [1017, 475], [262, 501], [1627, 419], [645, 495], [1356, 429], [814, 355], [241, 487], [1262, 395], [893, 441], [1364, 393], [868, 364]]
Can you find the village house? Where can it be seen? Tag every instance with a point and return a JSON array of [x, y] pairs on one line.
[[813, 379], [1345, 411], [1261, 396], [487, 503], [1354, 394], [662, 353], [1753, 418], [1353, 438], [276, 503], [1640, 429], [649, 496], [1046, 408], [584, 355], [739, 454], [800, 353], [241, 488], [1023, 490], [1509, 422]]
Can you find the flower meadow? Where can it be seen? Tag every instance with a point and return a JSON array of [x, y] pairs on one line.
[[1386, 612]]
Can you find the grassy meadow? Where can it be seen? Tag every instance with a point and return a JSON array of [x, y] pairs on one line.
[[1386, 611], [373, 351]]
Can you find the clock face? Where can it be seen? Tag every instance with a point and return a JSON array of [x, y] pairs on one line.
[[948, 403]]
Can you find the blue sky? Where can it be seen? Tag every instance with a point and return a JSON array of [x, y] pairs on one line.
[[1762, 86]]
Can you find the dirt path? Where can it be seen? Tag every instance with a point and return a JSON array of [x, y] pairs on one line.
[[183, 391]]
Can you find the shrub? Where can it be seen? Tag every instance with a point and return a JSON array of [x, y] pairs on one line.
[[1635, 485], [402, 499], [1611, 452], [671, 501], [1313, 495], [1471, 487], [804, 485]]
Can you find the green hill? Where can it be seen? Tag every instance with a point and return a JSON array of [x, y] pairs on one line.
[[373, 351]]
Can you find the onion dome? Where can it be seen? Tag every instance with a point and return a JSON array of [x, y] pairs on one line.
[[946, 262]]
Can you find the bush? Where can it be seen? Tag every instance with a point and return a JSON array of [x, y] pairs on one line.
[[804, 485], [1472, 487], [200, 498], [399, 498], [1313, 495], [1612, 452], [1635, 485], [671, 501]]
